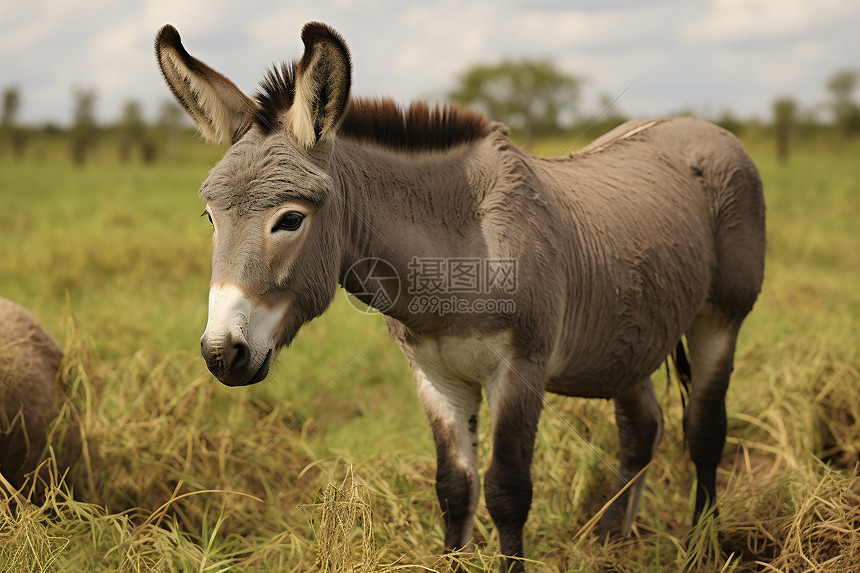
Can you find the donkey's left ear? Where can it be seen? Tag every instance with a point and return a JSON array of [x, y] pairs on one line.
[[323, 79]]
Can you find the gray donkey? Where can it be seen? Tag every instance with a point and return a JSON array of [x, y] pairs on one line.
[[654, 231]]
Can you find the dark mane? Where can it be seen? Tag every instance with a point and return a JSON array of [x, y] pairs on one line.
[[380, 121], [276, 94], [416, 128]]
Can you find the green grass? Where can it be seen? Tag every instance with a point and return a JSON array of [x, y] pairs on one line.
[[114, 260]]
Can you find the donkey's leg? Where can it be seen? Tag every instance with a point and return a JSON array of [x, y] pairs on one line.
[[711, 339], [452, 409], [516, 400], [640, 425]]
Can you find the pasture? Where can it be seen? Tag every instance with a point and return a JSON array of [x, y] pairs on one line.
[[329, 464]]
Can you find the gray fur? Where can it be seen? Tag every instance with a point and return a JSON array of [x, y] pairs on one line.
[[620, 248]]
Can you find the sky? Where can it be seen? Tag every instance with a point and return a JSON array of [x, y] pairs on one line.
[[657, 57]]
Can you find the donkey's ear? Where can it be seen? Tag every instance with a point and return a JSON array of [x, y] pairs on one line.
[[323, 79], [221, 111]]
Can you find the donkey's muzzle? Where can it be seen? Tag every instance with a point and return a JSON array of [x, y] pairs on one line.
[[229, 360], [238, 343]]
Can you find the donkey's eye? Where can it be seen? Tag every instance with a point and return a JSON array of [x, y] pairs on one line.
[[206, 214], [290, 221]]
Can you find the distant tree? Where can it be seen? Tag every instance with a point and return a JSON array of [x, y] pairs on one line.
[[84, 129], [784, 111], [531, 96], [10, 131], [169, 127], [845, 108], [131, 130], [11, 103]]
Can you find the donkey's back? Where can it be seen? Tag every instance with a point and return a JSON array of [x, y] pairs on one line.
[[694, 176], [662, 221]]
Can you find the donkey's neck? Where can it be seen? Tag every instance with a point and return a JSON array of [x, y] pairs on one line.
[[403, 208]]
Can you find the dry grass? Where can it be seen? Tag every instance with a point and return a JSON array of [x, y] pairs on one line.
[[157, 487], [805, 520]]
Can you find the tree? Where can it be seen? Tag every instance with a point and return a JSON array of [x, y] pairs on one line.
[[11, 103], [131, 130], [169, 126], [84, 131], [845, 109], [784, 111], [9, 129], [531, 96]]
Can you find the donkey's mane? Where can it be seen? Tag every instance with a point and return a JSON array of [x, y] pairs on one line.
[[276, 95], [379, 121], [420, 126]]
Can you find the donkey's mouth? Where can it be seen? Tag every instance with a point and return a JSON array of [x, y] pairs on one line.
[[263, 370]]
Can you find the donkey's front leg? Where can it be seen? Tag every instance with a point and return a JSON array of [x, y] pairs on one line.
[[452, 409], [516, 400]]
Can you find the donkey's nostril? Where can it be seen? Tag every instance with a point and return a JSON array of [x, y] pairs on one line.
[[226, 356], [240, 358], [236, 356]]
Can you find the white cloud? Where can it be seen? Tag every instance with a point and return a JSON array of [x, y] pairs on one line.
[[752, 21]]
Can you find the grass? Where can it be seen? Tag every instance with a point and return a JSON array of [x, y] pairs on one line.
[[329, 465]]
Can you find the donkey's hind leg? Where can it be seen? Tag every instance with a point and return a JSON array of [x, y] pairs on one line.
[[640, 425], [711, 338]]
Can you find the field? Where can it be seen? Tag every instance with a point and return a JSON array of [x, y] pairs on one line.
[[329, 464]]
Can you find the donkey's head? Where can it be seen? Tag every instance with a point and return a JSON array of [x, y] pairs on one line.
[[275, 212]]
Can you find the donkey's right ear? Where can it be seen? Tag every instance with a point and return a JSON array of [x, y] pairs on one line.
[[221, 111]]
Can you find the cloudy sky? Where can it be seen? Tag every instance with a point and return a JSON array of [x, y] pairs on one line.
[[706, 55]]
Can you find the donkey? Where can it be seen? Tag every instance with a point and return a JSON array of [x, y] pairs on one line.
[[653, 232], [31, 399]]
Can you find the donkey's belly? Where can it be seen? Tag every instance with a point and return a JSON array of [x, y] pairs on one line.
[[604, 370], [595, 384]]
